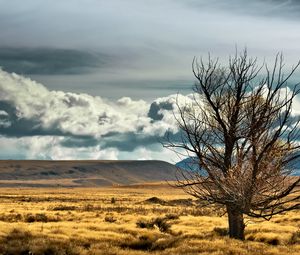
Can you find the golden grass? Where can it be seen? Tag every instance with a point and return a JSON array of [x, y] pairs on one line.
[[111, 221]]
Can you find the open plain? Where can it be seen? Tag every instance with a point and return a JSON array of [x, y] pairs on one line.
[[133, 219]]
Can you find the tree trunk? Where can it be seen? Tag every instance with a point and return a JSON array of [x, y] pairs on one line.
[[236, 224]]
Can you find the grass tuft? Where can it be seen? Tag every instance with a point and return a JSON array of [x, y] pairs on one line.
[[295, 238]]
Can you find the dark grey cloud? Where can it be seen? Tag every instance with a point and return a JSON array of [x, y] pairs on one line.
[[17, 127], [20, 127], [128, 141], [50, 61], [76, 142], [156, 107]]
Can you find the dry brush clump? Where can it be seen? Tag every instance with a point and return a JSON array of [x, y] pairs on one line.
[[28, 217], [110, 218], [295, 237], [150, 242], [19, 241], [163, 224]]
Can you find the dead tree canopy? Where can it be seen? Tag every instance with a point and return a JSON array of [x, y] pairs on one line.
[[241, 130]]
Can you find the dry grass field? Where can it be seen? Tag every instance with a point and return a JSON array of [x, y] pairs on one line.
[[133, 220]]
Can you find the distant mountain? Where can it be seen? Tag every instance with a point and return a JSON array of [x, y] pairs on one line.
[[296, 168], [191, 164], [41, 173]]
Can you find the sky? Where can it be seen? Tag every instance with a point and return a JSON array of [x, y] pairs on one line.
[[98, 79]]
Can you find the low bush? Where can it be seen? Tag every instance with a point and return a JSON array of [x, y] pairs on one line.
[[150, 243], [11, 217], [267, 238], [295, 238], [39, 217], [110, 218], [160, 222], [221, 231], [172, 216], [144, 242], [64, 208], [19, 241], [143, 223]]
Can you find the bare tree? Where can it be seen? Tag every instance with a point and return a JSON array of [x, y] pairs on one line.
[[242, 132]]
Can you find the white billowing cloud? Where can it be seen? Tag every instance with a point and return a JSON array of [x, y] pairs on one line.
[[45, 124], [157, 153], [3, 113], [50, 148], [286, 93], [77, 114], [129, 105], [296, 107], [4, 122], [59, 152], [167, 108]]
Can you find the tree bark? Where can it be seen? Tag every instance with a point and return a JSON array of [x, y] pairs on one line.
[[236, 223]]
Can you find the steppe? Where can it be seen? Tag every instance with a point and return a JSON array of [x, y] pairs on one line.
[[127, 208], [135, 219]]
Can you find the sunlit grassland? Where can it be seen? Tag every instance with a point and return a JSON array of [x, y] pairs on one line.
[[120, 220]]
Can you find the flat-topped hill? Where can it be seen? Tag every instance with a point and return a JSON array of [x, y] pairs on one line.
[[83, 172]]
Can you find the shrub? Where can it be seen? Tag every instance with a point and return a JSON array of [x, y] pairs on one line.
[[267, 238], [20, 241], [16, 242], [273, 241], [64, 208], [143, 223], [110, 218], [39, 217], [162, 224], [172, 216], [29, 218], [12, 217], [150, 243], [144, 242], [88, 207], [18, 234], [295, 238], [221, 231]]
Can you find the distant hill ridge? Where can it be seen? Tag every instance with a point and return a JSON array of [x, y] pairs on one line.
[[191, 164], [33, 173]]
